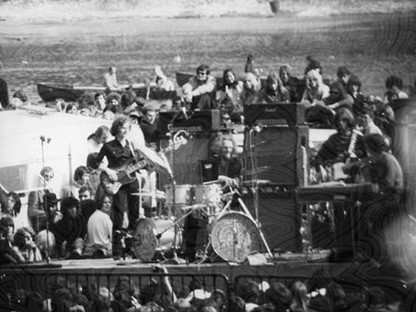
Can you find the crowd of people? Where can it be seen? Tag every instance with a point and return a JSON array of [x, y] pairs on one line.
[[364, 124], [246, 295]]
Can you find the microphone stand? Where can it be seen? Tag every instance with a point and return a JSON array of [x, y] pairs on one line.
[[45, 206], [173, 183], [255, 182]]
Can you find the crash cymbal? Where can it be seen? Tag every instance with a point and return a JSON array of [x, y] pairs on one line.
[[257, 170], [258, 181], [196, 206]]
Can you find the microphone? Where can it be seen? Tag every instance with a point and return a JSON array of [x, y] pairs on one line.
[[45, 139]]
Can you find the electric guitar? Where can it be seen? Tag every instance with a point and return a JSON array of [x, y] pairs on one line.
[[127, 174]]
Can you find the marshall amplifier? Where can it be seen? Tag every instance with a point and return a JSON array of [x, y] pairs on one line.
[[287, 114], [193, 121]]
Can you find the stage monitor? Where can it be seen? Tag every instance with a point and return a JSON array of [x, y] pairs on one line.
[[276, 114], [193, 121]]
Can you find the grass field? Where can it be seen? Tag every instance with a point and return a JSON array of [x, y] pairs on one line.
[[372, 45]]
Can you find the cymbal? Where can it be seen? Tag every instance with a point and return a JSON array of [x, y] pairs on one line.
[[258, 181], [257, 170], [158, 161], [196, 206]]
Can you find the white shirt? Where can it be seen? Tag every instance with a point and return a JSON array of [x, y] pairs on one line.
[[100, 229]]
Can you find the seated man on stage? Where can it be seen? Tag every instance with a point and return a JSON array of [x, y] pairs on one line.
[[224, 166], [333, 161], [200, 90]]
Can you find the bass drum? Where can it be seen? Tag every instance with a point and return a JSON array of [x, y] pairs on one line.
[[234, 236]]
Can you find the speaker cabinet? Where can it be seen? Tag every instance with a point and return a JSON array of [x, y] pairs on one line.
[[279, 154], [186, 160], [279, 215]]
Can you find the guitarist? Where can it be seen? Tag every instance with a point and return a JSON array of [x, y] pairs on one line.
[[119, 153]]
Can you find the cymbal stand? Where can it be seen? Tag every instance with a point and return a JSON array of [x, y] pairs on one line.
[[255, 183], [173, 183]]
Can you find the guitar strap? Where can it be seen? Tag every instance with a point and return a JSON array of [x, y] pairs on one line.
[[133, 150]]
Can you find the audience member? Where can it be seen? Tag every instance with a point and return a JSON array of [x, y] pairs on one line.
[[228, 96], [200, 90], [110, 78], [99, 230], [273, 91], [394, 86], [251, 88], [25, 246], [42, 204], [70, 227], [291, 83]]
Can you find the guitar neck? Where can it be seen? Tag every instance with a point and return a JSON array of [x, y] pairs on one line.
[[141, 164]]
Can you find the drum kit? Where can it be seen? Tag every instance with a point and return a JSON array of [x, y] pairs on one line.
[[232, 235]]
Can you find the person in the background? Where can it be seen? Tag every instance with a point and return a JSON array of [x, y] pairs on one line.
[[315, 90], [273, 91], [338, 97], [344, 75], [113, 103], [110, 78], [291, 83], [228, 96], [365, 116], [87, 203], [335, 148], [10, 203], [8, 255], [4, 94], [313, 64], [228, 165], [394, 86], [200, 90], [81, 178], [162, 82], [149, 126], [384, 116], [39, 211], [97, 139], [382, 207], [99, 230], [100, 100], [72, 108], [135, 117], [300, 301], [354, 89], [70, 227], [251, 88], [249, 67], [19, 98], [25, 246]]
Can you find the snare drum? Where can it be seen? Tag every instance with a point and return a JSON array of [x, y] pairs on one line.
[[183, 195], [208, 194], [234, 236]]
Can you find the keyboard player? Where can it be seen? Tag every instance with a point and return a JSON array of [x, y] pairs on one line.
[[338, 149]]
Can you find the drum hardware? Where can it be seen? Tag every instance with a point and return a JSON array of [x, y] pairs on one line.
[[243, 239], [172, 143]]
